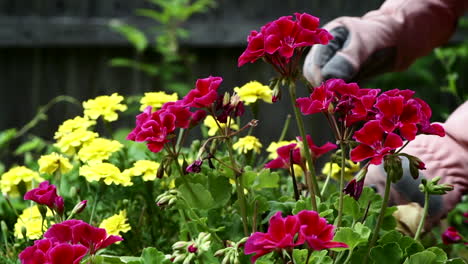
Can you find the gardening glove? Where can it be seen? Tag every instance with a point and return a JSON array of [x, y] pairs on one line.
[[446, 157], [387, 39]]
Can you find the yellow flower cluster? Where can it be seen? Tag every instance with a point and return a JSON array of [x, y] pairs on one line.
[[350, 169], [73, 133], [31, 221], [146, 168], [275, 145], [116, 224], [105, 106], [156, 99], [210, 122], [98, 149], [246, 144], [253, 91], [11, 179], [107, 172], [52, 162]]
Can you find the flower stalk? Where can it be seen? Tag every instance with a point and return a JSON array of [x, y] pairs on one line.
[[310, 176], [342, 172], [423, 217]]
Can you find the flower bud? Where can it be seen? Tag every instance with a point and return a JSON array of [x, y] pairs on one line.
[[59, 205], [80, 207], [195, 167], [226, 99], [354, 188], [393, 167]]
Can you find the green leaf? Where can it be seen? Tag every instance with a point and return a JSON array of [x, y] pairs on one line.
[[153, 256], [302, 205], [106, 259], [351, 237], [34, 144], [414, 248], [389, 237], [317, 257], [248, 178], [350, 207], [6, 136], [441, 256], [132, 34], [197, 196], [220, 190], [266, 179], [425, 257], [389, 254]]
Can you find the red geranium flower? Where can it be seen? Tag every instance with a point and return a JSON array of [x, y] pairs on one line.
[[50, 252], [317, 232], [375, 143], [281, 235], [283, 40], [46, 194], [204, 94], [283, 159], [80, 232]]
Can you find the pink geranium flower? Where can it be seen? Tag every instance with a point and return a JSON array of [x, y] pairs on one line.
[[80, 232], [204, 94], [375, 143], [46, 194], [50, 252], [283, 160], [294, 230], [451, 236], [317, 232], [281, 235]]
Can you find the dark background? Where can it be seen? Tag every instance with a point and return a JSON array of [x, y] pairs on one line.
[[55, 47]]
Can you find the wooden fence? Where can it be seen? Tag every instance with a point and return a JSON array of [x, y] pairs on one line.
[[55, 47]]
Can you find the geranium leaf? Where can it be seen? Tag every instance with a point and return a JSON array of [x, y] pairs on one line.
[[153, 256], [197, 196], [425, 257], [390, 253]]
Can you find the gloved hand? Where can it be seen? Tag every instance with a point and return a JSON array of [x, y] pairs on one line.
[[446, 157], [388, 39]]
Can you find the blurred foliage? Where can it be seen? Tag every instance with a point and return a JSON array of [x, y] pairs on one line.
[[437, 78], [172, 68]]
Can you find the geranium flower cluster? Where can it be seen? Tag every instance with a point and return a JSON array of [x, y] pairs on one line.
[[290, 232], [281, 42], [155, 128], [283, 160], [389, 117], [67, 243]]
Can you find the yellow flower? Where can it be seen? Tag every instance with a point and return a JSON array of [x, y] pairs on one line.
[[253, 91], [350, 169], [275, 145], [69, 143], [156, 99], [52, 162], [247, 143], [11, 179], [213, 128], [31, 220], [105, 106], [98, 149], [107, 172], [147, 168], [116, 224], [298, 172], [70, 125]]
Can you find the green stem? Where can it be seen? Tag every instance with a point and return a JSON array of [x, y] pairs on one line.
[[342, 170], [325, 185], [239, 188], [349, 256], [285, 128], [312, 182], [375, 234], [423, 218], [96, 199]]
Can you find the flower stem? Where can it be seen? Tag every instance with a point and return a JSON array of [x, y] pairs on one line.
[[327, 180], [239, 188], [285, 128], [423, 218], [375, 234], [342, 170], [312, 182]]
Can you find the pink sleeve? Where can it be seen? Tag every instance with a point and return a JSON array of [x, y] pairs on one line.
[[420, 25]]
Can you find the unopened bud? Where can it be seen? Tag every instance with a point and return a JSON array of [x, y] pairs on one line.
[[24, 232], [73, 191], [195, 167], [226, 99], [393, 167], [160, 171]]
